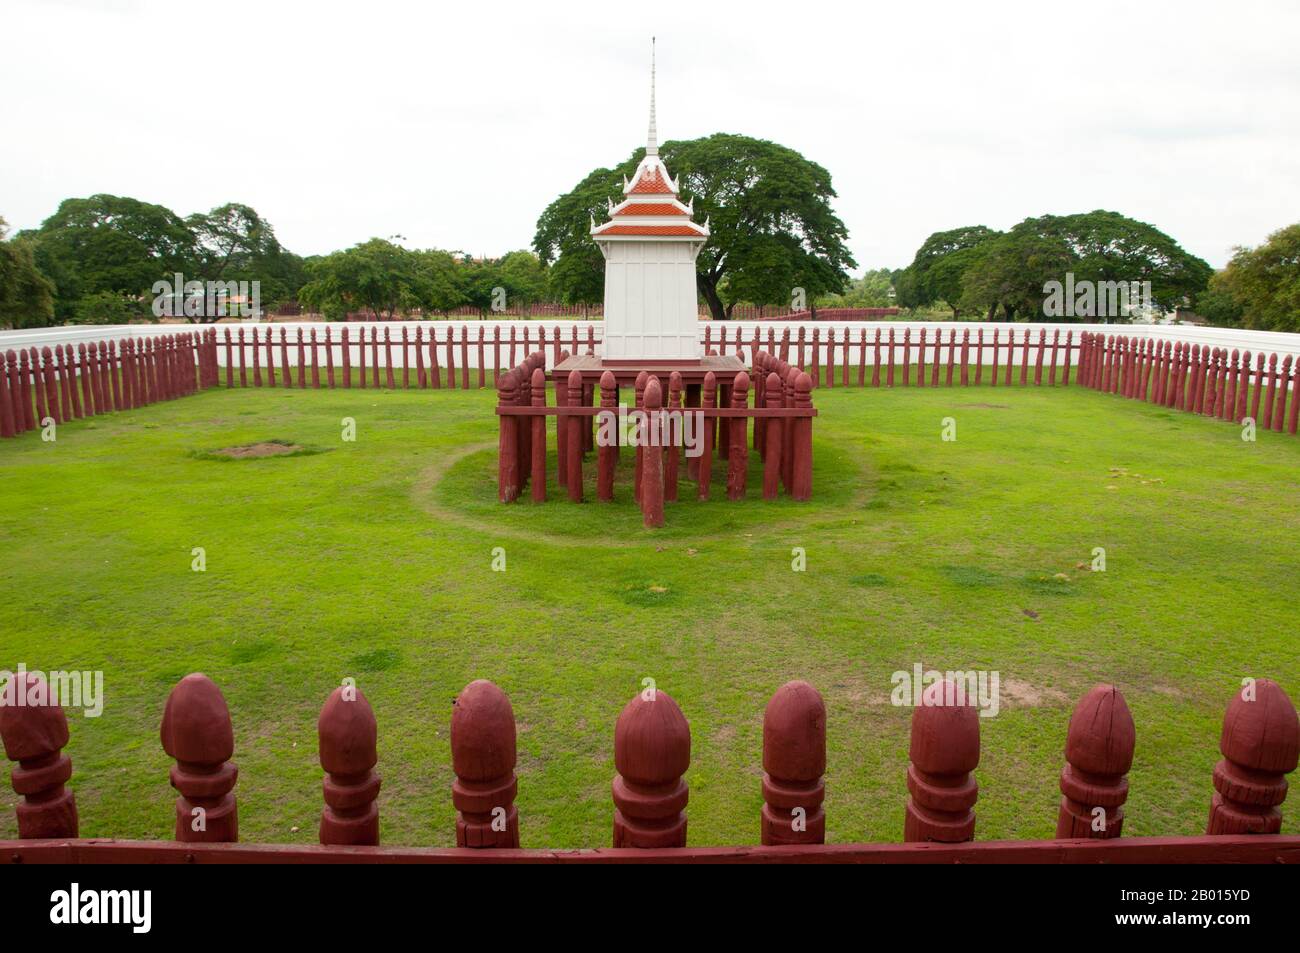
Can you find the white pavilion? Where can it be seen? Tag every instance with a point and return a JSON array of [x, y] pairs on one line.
[[650, 244]]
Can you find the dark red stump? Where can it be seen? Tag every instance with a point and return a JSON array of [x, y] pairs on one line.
[[347, 732], [607, 456], [34, 735], [794, 760], [1098, 755], [945, 750], [483, 757], [652, 750], [1260, 744], [573, 438], [772, 445], [652, 460], [196, 731], [537, 447], [508, 440], [738, 448]]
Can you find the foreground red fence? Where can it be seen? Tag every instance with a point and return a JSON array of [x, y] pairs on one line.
[[718, 417], [1213, 382], [652, 752], [60, 384]]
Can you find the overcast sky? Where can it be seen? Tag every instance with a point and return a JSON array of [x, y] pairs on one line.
[[455, 124]]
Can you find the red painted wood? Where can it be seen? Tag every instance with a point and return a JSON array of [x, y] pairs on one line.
[[347, 735], [1279, 407], [1294, 418], [573, 438], [652, 750], [638, 396], [794, 760], [801, 442], [738, 454], [507, 441], [315, 358], [464, 357], [708, 400], [230, 361], [537, 448], [651, 463], [1098, 755], [772, 447], [889, 373], [1260, 744], [483, 758], [607, 456], [920, 360], [875, 362], [673, 452], [34, 734], [197, 733], [945, 749], [9, 394], [482, 363]]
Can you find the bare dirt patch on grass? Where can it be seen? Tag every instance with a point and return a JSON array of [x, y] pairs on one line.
[[266, 449]]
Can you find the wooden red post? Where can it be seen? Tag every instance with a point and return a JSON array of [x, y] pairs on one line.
[[508, 441], [464, 357], [9, 395], [1260, 744], [1279, 408], [801, 475], [862, 357], [794, 760], [1294, 418], [875, 365], [483, 757], [889, 374], [1255, 394], [347, 732], [952, 352], [607, 455], [965, 357], [66, 386], [435, 373], [708, 401], [652, 460], [945, 750], [1069, 356], [652, 750], [537, 448], [196, 731], [672, 432], [315, 358], [772, 446], [1098, 755], [50, 391], [737, 432], [482, 363], [230, 361], [573, 438], [638, 395], [979, 355], [35, 732], [830, 356]]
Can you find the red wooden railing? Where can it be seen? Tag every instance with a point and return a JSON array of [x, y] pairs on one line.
[[652, 751]]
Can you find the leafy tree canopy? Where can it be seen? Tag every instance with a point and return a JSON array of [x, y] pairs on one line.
[[26, 295], [769, 212], [936, 271], [1260, 287]]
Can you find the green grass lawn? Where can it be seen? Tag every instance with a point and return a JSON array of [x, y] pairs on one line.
[[373, 559]]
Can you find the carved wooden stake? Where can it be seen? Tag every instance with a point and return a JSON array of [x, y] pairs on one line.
[[196, 731], [607, 455], [1260, 744], [801, 442], [652, 459], [945, 750], [772, 445], [652, 750], [35, 732], [573, 438], [708, 401], [794, 760], [737, 431], [1098, 754], [347, 732], [507, 443], [483, 757]]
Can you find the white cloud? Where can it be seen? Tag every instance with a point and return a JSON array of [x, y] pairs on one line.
[[455, 125]]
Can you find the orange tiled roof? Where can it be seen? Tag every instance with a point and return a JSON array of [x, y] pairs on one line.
[[650, 208], [652, 230], [651, 182]]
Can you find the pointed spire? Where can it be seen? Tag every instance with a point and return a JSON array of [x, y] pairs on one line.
[[652, 139]]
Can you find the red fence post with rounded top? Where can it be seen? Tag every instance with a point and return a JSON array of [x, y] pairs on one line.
[[772, 446], [35, 732], [1260, 745], [708, 401], [652, 459], [607, 455], [483, 757], [794, 760], [573, 438], [537, 447], [945, 749], [196, 731], [801, 472], [738, 452], [1098, 755], [508, 441], [347, 732], [652, 750], [671, 433], [638, 396]]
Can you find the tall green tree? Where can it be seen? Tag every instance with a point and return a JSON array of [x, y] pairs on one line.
[[937, 269], [769, 212], [110, 243], [26, 295], [1260, 287], [377, 276]]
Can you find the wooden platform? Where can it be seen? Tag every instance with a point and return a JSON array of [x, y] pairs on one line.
[[591, 367]]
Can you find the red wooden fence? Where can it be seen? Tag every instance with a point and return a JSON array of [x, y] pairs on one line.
[[1213, 382], [782, 414], [1259, 743], [61, 384]]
